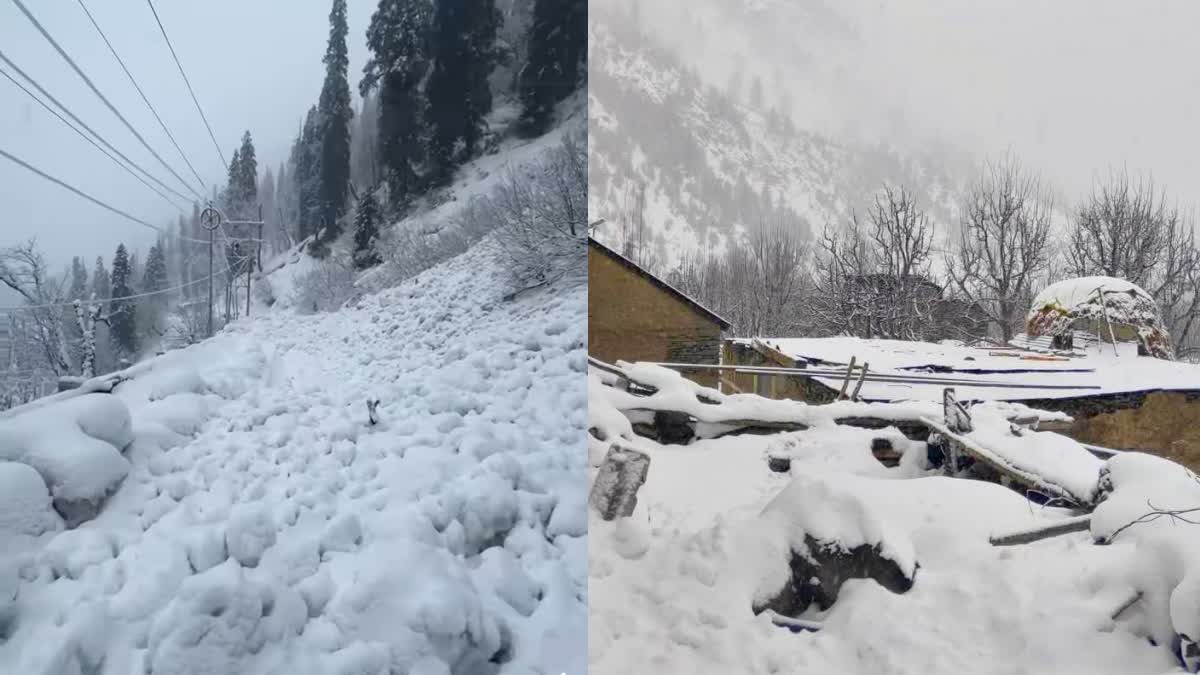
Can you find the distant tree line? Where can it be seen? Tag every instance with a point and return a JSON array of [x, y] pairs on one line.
[[888, 274]]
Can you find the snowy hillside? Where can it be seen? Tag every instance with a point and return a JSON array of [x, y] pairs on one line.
[[259, 523], [712, 164], [910, 581]]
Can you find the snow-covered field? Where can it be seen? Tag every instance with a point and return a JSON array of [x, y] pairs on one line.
[[672, 588], [258, 523]]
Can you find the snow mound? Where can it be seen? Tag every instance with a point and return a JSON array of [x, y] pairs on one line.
[[1072, 293], [76, 447], [24, 503]]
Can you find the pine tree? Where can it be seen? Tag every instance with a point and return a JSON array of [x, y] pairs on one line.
[[122, 317], [366, 231], [79, 279], [334, 113], [464, 55], [305, 175], [101, 286], [135, 272], [247, 181], [557, 43], [230, 200], [154, 278], [399, 41]]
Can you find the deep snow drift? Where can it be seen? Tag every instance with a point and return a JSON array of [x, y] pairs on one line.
[[673, 587], [258, 523]]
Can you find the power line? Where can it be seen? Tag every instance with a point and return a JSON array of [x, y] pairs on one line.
[[81, 193], [89, 140], [188, 83], [91, 85], [90, 130], [135, 296], [162, 124]]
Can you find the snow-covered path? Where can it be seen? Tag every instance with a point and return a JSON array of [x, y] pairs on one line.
[[265, 526]]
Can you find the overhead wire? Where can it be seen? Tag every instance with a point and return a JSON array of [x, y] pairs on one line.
[[187, 82], [89, 140], [42, 90], [91, 85], [71, 188], [141, 93]]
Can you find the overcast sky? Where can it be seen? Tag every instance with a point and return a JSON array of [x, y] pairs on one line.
[[254, 64], [1071, 86]]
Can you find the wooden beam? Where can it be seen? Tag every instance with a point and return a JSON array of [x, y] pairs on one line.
[[1077, 524]]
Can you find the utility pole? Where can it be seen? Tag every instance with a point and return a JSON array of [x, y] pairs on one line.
[[210, 219]]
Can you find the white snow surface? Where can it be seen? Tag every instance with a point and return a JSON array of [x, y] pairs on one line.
[[1099, 371], [672, 587], [265, 527], [1071, 293]]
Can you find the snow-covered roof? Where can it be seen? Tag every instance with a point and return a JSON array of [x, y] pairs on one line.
[[1103, 368]]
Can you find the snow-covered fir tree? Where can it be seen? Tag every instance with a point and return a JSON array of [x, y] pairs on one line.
[[334, 113], [464, 54], [398, 39], [366, 231], [123, 313], [100, 287], [557, 45]]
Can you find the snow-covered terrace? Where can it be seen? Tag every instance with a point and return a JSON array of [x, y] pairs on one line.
[[1103, 368]]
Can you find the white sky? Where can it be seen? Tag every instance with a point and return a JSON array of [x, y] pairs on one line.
[[1071, 86], [254, 64]]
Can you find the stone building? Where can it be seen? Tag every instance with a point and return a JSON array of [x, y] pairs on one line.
[[635, 316]]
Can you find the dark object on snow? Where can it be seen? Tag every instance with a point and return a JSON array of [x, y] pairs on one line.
[[1079, 524], [779, 464], [372, 415], [614, 494], [673, 428], [817, 578]]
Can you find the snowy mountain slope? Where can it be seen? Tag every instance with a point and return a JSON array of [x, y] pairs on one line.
[[712, 165], [265, 526]]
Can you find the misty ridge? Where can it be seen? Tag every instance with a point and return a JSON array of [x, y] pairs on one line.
[[765, 158]]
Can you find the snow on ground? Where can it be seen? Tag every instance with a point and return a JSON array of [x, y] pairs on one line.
[[672, 587], [263, 526]]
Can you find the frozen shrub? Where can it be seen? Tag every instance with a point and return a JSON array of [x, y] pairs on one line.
[[327, 286]]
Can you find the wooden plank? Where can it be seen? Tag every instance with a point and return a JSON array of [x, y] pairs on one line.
[[1021, 477], [1077, 524]]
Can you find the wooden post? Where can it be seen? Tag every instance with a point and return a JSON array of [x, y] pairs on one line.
[[846, 382], [862, 375], [1104, 308]]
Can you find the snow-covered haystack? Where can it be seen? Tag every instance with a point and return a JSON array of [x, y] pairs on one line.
[[1113, 309]]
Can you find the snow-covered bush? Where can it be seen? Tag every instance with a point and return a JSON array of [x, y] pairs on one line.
[[327, 286], [539, 213], [409, 250]]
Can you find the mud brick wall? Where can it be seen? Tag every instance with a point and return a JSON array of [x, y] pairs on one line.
[[778, 386], [1166, 423], [633, 319]]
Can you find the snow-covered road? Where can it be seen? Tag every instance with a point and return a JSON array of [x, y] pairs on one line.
[[265, 527]]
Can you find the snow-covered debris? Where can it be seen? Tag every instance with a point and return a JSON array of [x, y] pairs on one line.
[[678, 582], [1150, 505], [264, 526]]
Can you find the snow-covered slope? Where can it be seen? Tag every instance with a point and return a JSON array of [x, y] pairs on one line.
[[712, 164], [265, 526]]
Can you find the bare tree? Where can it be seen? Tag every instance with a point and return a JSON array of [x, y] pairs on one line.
[[1126, 229], [873, 279], [1003, 250], [24, 270]]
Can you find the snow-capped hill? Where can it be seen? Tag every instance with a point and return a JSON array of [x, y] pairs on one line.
[[712, 165], [271, 520]]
